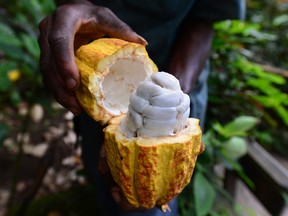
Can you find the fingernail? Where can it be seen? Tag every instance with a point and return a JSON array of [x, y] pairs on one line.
[[144, 42], [141, 40], [71, 83], [116, 196]]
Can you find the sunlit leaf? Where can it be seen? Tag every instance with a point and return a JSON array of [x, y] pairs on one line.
[[265, 101], [237, 127], [283, 113], [241, 124]]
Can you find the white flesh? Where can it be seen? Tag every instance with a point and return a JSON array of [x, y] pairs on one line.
[[123, 78]]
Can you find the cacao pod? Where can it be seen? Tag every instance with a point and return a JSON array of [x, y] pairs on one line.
[[150, 170]]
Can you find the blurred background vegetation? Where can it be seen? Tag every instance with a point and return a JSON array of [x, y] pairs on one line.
[[248, 100]]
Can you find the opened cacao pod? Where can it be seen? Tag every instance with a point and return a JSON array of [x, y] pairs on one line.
[[151, 144]]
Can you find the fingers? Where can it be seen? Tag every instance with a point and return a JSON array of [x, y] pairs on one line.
[[122, 202], [104, 169], [68, 28], [51, 77], [112, 26], [69, 23], [61, 41]]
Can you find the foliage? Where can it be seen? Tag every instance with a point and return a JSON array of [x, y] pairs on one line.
[[240, 86], [224, 144], [245, 100], [272, 17], [19, 51], [20, 80]]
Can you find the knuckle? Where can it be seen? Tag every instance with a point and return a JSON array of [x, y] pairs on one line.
[[105, 16], [64, 10], [104, 11], [56, 38]]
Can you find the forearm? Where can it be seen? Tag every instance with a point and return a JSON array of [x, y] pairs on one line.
[[196, 45], [191, 50]]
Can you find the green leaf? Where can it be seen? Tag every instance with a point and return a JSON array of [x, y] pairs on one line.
[[283, 113], [16, 53], [267, 76], [240, 126], [267, 88], [204, 194], [246, 66], [236, 27], [8, 37], [265, 101], [30, 43], [219, 128]]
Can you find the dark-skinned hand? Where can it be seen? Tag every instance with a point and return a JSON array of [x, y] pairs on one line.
[[69, 27]]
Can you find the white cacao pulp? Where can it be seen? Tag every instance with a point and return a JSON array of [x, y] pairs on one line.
[[158, 107]]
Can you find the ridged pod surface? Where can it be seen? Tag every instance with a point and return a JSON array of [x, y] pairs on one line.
[[152, 171]]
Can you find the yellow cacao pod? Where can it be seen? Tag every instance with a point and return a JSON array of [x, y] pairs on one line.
[[150, 170], [110, 70]]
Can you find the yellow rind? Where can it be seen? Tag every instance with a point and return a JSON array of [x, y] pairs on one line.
[[152, 171], [94, 60]]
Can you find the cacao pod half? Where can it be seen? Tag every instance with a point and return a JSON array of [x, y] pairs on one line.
[[150, 170]]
